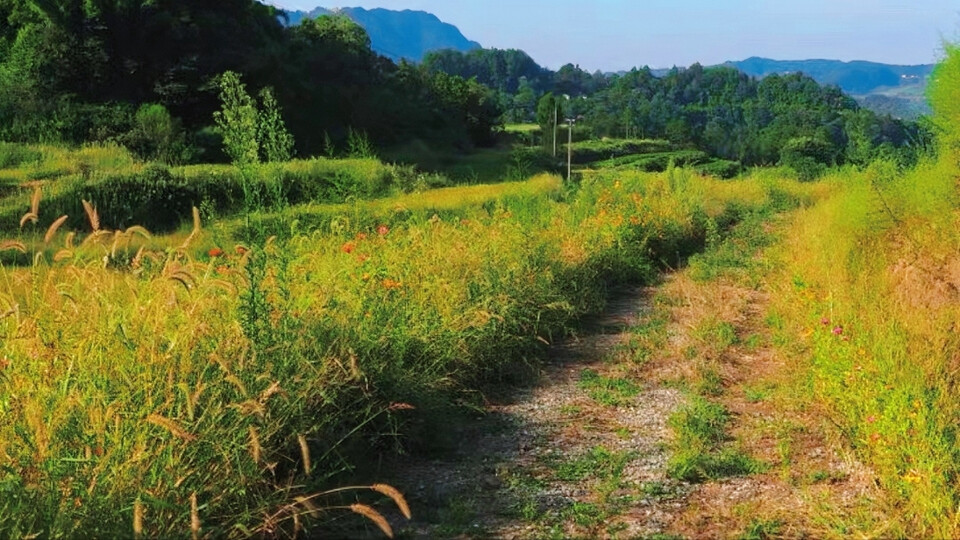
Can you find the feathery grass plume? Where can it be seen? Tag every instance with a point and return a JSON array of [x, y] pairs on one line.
[[374, 516], [171, 426], [63, 254], [117, 236], [397, 497], [305, 453], [255, 448], [29, 216], [93, 238], [92, 215], [137, 518], [193, 233], [138, 258], [184, 278], [137, 229], [194, 517], [68, 242], [14, 245], [35, 201], [53, 229]]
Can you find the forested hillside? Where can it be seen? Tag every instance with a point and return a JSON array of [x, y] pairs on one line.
[[78, 71], [719, 110]]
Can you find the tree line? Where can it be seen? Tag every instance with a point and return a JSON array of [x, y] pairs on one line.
[[146, 73], [719, 110]]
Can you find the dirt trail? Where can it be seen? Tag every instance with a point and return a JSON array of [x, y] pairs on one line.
[[552, 460], [584, 453]]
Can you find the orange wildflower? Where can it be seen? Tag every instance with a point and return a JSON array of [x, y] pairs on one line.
[[382, 230], [390, 284], [215, 252], [348, 247]]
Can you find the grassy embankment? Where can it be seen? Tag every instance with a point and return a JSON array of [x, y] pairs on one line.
[[868, 303], [200, 380]]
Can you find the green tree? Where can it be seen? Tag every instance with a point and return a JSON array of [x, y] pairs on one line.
[[548, 115], [276, 143], [237, 121]]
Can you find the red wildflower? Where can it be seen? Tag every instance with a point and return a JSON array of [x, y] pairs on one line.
[[348, 247], [825, 321], [215, 252], [382, 230], [871, 419], [837, 330]]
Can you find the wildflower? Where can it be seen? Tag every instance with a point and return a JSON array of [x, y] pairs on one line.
[[825, 321], [215, 252], [874, 437], [464, 221], [871, 419], [241, 250], [912, 477], [361, 236], [4, 363], [361, 258], [222, 269], [365, 277], [382, 230], [348, 247], [391, 284], [837, 330]]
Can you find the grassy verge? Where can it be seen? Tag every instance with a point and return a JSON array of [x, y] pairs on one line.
[[868, 299], [244, 376]]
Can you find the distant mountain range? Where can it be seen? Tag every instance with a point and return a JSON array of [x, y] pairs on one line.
[[885, 88], [399, 35]]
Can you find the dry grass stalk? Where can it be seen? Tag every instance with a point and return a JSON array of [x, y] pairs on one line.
[[255, 449], [397, 497], [137, 519], [68, 242], [7, 245], [194, 517], [53, 229], [35, 200], [92, 215], [305, 453], [196, 229], [171, 426], [29, 216], [137, 229], [62, 255], [97, 235], [184, 278], [374, 516]]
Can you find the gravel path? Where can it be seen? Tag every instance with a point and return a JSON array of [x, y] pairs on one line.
[[550, 460]]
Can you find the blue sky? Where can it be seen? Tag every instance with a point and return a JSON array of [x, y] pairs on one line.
[[612, 35]]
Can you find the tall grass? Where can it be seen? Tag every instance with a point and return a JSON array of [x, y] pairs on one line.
[[212, 382], [870, 290]]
